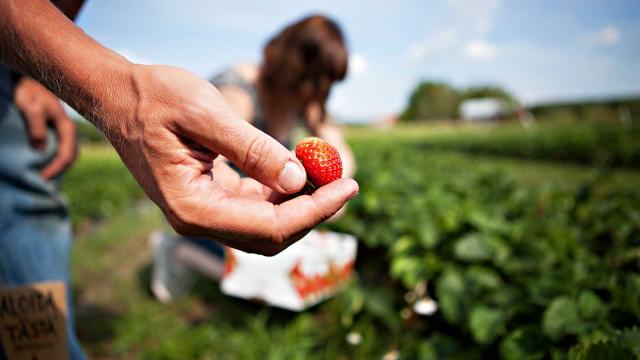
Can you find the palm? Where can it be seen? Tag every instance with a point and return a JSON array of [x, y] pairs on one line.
[[185, 126]]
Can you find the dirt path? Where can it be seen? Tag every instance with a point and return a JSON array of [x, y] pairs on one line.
[[109, 264]]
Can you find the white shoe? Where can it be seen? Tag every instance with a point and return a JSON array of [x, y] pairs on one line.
[[170, 278]]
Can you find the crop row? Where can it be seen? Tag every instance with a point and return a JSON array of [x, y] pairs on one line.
[[602, 144]]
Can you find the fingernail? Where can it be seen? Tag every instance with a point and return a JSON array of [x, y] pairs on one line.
[[291, 177]]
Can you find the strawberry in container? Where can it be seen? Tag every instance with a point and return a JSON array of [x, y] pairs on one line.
[[308, 272]]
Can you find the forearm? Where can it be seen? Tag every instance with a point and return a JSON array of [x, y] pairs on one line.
[[36, 39], [333, 135], [70, 8]]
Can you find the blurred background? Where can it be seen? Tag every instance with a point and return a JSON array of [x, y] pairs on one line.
[[498, 158]]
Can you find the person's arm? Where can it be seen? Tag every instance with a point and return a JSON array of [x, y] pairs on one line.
[[38, 41], [333, 135], [322, 126], [40, 108], [168, 126]]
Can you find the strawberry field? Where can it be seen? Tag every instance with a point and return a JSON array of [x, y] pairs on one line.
[[527, 254], [517, 270]]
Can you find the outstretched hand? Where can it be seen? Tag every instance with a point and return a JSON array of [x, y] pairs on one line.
[[181, 124]]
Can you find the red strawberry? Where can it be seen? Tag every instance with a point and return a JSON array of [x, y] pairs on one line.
[[320, 159]]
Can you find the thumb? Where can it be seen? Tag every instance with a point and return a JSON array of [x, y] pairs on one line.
[[263, 158], [255, 153]]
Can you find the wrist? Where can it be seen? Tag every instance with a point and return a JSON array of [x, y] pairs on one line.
[[104, 91], [112, 94]]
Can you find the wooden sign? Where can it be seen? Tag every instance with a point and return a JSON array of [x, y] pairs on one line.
[[33, 321]]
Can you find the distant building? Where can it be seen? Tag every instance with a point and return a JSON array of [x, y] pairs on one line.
[[485, 109]]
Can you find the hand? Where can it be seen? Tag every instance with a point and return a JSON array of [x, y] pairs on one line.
[[251, 189], [181, 124], [41, 108]]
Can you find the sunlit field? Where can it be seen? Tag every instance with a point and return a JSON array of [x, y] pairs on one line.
[[527, 238]]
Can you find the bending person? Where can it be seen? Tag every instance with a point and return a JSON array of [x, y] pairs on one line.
[[289, 88]]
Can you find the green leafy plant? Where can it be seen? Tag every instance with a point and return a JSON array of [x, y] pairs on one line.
[[521, 271]]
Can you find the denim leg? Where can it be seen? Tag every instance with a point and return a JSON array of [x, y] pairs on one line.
[[210, 246], [35, 232]]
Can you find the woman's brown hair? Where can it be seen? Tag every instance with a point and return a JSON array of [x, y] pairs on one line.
[[305, 58]]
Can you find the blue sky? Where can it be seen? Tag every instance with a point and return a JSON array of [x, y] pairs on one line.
[[539, 50]]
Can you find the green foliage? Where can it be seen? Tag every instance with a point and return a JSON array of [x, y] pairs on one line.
[[623, 344], [523, 343], [487, 92], [606, 350], [432, 100], [438, 100], [590, 305], [485, 323], [561, 318], [519, 271]]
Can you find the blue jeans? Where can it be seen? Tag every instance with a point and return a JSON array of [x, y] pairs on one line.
[[35, 232], [210, 246]]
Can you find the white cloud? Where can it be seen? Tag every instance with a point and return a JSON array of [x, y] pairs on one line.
[[480, 50], [435, 44], [358, 65], [606, 36], [473, 21]]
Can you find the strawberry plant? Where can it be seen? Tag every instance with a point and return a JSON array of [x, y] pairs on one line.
[[601, 144], [519, 271]]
